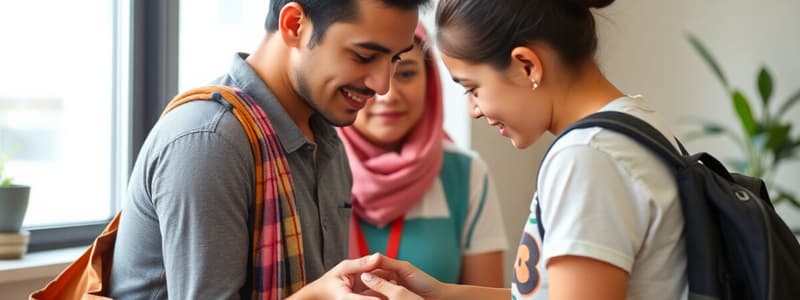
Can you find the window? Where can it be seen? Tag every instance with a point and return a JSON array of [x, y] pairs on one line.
[[80, 91], [211, 32], [64, 108]]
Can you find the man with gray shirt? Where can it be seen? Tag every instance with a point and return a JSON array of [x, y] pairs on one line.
[[186, 228]]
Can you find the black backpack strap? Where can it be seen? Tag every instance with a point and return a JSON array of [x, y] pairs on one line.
[[632, 127], [680, 146], [636, 129]]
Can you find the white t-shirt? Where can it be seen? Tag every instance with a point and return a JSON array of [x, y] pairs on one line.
[[604, 196]]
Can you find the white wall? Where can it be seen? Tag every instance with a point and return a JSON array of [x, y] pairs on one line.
[[456, 120], [514, 175], [643, 50]]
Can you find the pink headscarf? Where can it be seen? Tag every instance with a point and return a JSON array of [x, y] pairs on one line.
[[386, 183]]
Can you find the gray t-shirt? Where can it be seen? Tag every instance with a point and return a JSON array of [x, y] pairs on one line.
[[184, 232]]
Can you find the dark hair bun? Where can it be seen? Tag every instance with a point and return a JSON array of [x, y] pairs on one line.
[[598, 3], [585, 4]]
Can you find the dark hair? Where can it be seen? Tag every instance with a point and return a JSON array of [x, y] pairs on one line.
[[483, 31], [323, 13]]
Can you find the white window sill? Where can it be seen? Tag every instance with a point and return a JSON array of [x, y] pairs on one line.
[[38, 265]]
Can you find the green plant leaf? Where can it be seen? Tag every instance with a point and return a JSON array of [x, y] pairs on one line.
[[765, 87], [785, 196], [786, 151], [706, 56], [5, 157], [778, 136], [788, 104], [744, 112], [711, 129]]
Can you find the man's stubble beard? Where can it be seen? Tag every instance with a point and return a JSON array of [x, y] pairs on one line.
[[304, 92]]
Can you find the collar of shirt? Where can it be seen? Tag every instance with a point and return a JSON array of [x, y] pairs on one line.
[[291, 138]]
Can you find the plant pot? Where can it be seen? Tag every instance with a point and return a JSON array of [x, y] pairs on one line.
[[13, 205]]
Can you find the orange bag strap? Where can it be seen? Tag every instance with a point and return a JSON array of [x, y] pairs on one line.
[[85, 271], [84, 278]]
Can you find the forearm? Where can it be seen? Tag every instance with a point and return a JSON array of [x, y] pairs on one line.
[[484, 269]]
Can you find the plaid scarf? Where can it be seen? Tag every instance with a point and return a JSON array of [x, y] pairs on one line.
[[277, 249]]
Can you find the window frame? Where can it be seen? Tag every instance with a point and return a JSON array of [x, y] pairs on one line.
[[145, 71]]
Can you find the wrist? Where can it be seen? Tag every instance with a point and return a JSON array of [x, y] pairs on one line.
[[448, 291], [304, 293]]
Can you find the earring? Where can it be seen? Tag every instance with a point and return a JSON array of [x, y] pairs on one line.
[[534, 85]]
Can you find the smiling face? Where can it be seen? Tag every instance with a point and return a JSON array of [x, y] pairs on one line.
[[505, 98], [353, 61], [389, 118]]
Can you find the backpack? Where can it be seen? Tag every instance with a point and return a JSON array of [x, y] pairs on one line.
[[737, 247]]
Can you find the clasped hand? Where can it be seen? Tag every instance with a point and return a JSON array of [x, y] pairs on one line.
[[372, 277]]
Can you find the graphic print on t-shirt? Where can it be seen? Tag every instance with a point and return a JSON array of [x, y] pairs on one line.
[[526, 276]]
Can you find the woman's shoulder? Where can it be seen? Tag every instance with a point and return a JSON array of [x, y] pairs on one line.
[[580, 146], [456, 153], [611, 142], [452, 148]]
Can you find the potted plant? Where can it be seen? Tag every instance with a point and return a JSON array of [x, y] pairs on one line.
[[765, 139], [13, 205]]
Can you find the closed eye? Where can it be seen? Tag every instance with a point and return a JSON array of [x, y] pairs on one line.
[[364, 59], [471, 91]]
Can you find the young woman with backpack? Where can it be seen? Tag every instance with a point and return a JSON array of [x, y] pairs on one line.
[[609, 207]]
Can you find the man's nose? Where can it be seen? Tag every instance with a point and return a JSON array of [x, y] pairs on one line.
[[380, 76]]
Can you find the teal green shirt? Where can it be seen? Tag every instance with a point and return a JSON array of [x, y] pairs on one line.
[[459, 215]]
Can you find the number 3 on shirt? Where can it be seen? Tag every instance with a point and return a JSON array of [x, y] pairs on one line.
[[526, 276]]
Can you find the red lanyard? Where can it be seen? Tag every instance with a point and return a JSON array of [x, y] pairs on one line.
[[394, 238]]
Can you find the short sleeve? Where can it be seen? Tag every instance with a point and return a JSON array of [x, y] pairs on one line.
[[201, 190], [590, 208]]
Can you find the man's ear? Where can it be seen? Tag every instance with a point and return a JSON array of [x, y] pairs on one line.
[[529, 62], [291, 24]]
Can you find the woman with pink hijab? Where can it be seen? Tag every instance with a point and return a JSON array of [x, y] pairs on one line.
[[416, 195]]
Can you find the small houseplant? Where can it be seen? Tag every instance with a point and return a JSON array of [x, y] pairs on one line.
[[13, 201], [765, 139]]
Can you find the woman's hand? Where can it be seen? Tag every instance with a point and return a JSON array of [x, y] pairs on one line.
[[407, 282], [341, 282], [387, 288]]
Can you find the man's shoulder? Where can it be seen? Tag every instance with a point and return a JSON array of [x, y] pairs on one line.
[[198, 117]]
